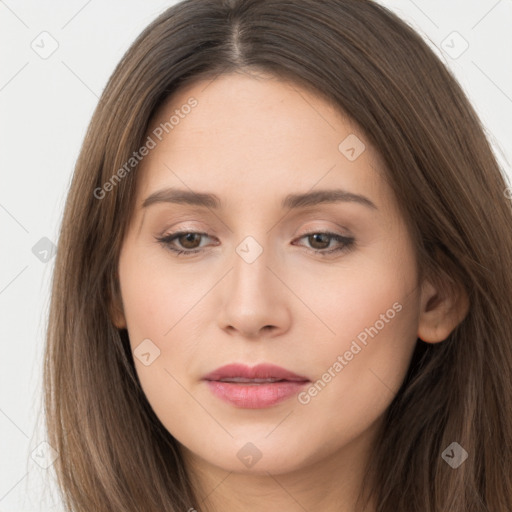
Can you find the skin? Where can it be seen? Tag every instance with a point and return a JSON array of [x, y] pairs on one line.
[[251, 140]]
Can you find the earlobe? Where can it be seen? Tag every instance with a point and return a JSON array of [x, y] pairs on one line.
[[115, 308], [117, 317], [441, 310]]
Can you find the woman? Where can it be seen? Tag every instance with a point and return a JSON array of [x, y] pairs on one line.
[[366, 368]]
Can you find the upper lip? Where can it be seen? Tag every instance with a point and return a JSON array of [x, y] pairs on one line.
[[260, 371]]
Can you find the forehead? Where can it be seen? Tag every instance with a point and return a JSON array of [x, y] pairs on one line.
[[258, 132]]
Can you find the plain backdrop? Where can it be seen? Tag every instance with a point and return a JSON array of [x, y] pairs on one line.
[[57, 57]]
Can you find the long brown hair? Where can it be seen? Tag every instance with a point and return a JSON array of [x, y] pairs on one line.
[[114, 454]]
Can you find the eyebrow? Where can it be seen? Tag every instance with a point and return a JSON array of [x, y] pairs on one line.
[[291, 201]]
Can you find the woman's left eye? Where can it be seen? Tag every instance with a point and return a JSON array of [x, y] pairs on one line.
[[188, 239], [345, 243]]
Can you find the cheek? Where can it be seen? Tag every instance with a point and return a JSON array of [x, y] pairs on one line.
[[157, 297], [360, 367], [158, 302], [359, 373], [165, 309]]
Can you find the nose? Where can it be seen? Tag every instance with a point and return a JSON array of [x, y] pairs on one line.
[[254, 301]]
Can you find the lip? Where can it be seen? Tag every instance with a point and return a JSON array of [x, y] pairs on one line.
[[260, 371], [252, 394]]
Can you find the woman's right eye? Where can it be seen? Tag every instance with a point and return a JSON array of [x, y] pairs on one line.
[[185, 238]]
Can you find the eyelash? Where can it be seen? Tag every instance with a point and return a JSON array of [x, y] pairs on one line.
[[348, 242]]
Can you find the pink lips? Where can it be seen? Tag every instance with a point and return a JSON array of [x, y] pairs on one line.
[[254, 388]]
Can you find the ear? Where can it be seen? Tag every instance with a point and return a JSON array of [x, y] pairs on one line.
[[115, 305], [443, 307]]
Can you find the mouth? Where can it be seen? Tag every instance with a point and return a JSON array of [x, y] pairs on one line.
[[242, 380], [254, 388]]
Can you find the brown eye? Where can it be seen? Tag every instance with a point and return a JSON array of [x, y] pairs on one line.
[[319, 241], [188, 240], [183, 242]]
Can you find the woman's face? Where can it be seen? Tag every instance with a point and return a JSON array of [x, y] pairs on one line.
[[343, 318]]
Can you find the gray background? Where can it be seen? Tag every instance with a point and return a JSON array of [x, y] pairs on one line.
[[46, 101]]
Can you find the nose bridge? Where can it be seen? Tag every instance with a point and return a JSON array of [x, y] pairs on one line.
[[250, 271], [256, 257], [252, 300]]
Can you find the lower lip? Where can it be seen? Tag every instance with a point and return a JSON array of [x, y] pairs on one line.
[[255, 396]]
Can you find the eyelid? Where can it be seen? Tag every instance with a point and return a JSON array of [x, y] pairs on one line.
[[339, 231]]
